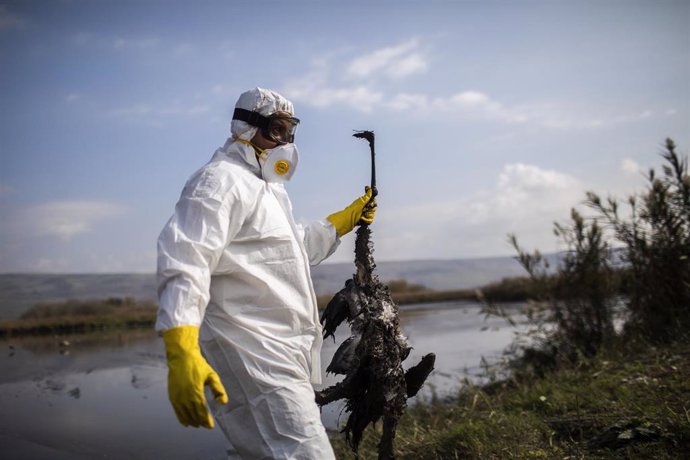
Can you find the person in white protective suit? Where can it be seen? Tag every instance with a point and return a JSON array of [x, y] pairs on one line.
[[234, 281]]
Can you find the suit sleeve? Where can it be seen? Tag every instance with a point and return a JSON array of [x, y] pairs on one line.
[[320, 241], [207, 216]]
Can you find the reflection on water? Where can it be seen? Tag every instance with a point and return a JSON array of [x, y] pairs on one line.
[[105, 396], [95, 396]]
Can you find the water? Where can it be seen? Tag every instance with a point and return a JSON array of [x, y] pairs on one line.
[[105, 396]]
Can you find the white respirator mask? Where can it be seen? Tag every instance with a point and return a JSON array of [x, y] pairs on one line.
[[278, 164]]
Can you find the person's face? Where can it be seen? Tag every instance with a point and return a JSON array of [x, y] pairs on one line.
[[260, 141], [280, 128]]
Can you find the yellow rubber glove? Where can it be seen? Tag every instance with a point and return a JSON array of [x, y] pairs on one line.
[[188, 373], [362, 209]]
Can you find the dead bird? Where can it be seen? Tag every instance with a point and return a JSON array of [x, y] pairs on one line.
[[375, 386]]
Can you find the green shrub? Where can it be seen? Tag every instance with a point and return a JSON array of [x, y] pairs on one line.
[[651, 250], [656, 250], [579, 297]]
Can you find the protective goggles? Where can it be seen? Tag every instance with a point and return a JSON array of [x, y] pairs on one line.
[[276, 127]]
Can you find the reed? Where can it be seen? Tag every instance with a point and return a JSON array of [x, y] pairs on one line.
[[81, 316]]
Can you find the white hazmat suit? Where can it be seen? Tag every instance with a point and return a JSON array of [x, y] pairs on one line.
[[233, 261]]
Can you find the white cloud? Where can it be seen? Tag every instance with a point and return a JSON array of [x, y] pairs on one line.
[[313, 90], [630, 166], [473, 105], [359, 97], [526, 193], [323, 86], [470, 99], [66, 219], [145, 43], [395, 62], [409, 65], [72, 97], [320, 87], [10, 20], [477, 105], [565, 116], [316, 90], [405, 102], [525, 200], [528, 178]]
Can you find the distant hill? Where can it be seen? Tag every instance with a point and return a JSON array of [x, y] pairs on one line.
[[18, 292]]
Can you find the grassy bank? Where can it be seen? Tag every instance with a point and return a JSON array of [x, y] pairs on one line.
[[77, 316], [81, 316], [630, 403], [507, 290]]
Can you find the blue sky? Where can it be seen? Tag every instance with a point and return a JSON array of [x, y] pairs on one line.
[[491, 117]]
